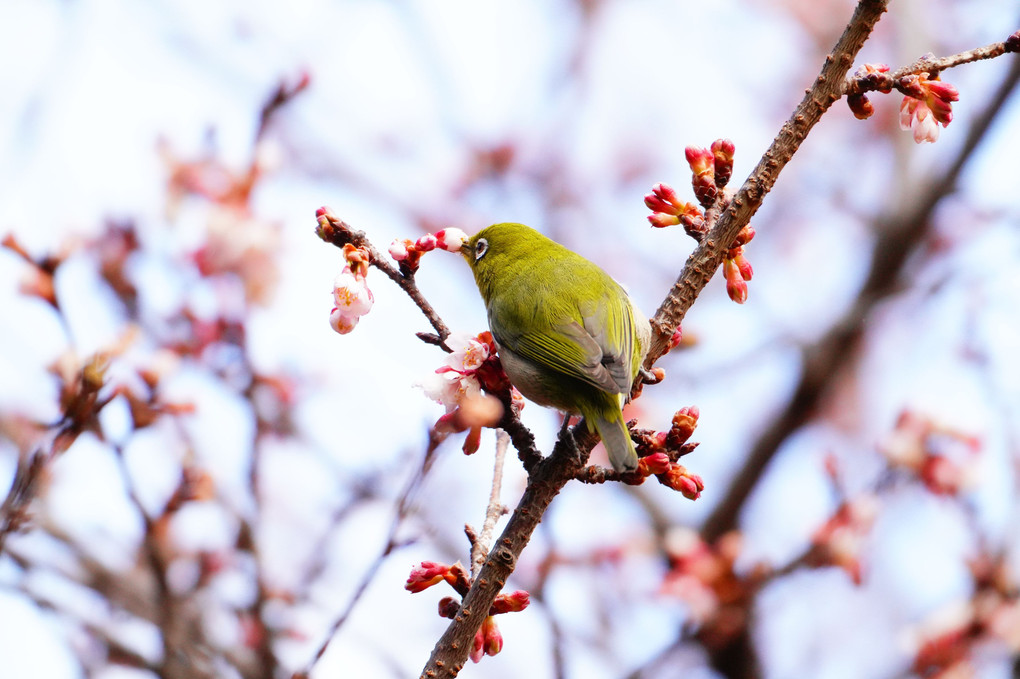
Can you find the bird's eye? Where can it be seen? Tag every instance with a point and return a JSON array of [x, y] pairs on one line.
[[481, 247]]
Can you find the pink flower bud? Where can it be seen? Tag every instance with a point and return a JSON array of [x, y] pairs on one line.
[[724, 148], [425, 575], [679, 479], [872, 76], [677, 337], [651, 465], [722, 155], [510, 602], [426, 243], [942, 90], [702, 161], [399, 249], [743, 266], [451, 239], [737, 290], [666, 193], [744, 236], [342, 322], [684, 422], [656, 204], [492, 639], [477, 647], [661, 220]]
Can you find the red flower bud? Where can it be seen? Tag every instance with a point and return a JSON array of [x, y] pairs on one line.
[[656, 204], [425, 575], [492, 640], [661, 220], [677, 337], [678, 478], [510, 602], [722, 152], [654, 464]]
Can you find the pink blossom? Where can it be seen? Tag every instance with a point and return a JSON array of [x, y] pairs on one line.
[[351, 294], [451, 239], [341, 322], [399, 249], [916, 116], [928, 105]]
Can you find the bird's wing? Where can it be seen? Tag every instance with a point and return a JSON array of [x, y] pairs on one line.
[[582, 350], [611, 326]]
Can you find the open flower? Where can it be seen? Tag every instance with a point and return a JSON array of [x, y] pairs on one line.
[[927, 104], [458, 384], [352, 298]]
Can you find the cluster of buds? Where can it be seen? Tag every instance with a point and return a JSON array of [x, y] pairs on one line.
[[870, 77], [840, 540], [488, 640], [668, 210], [471, 369], [703, 576], [351, 294], [660, 450], [736, 269], [927, 103], [941, 456], [408, 252], [711, 169]]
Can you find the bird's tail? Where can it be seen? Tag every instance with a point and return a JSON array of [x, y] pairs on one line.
[[616, 438]]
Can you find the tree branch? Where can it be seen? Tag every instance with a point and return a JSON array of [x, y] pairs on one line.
[[709, 254], [899, 234], [550, 475]]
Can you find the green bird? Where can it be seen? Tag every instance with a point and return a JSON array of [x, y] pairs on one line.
[[568, 335]]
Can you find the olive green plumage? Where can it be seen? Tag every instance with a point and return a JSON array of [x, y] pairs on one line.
[[568, 335]]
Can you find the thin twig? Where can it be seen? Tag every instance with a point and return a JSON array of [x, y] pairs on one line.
[[494, 510], [932, 65], [404, 507], [337, 232]]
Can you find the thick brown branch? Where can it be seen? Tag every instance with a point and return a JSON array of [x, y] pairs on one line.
[[545, 482], [899, 235], [709, 254], [552, 473]]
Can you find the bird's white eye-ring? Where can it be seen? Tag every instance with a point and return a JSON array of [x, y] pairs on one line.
[[481, 247]]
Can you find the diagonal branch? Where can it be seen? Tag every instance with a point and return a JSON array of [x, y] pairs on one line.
[[709, 254], [899, 235], [552, 473]]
